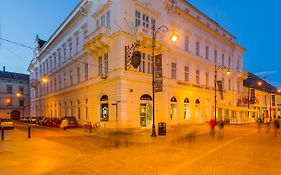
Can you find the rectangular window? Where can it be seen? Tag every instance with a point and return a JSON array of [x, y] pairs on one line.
[[137, 18], [153, 22], [59, 58], [197, 48], [186, 43], [106, 63], [207, 52], [70, 50], [207, 79], [86, 71], [142, 64], [145, 21], [222, 59], [149, 64], [55, 60], [215, 56], [186, 73], [65, 80], [71, 77], [222, 82], [21, 102], [197, 76], [103, 20], [229, 84], [98, 23], [21, 89], [229, 62], [100, 65], [77, 44], [64, 53], [9, 89], [78, 74], [51, 64], [174, 71], [238, 64], [108, 24]]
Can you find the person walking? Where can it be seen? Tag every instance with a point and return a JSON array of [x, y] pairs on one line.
[[212, 124], [259, 123], [221, 129], [276, 127]]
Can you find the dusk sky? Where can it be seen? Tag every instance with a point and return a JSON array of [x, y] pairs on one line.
[[255, 23]]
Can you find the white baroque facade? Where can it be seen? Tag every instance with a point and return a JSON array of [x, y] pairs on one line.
[[84, 61]]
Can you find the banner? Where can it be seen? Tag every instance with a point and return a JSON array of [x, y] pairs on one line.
[[158, 77], [220, 88]]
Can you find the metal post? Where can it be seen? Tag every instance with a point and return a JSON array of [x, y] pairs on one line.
[[2, 135], [29, 131], [215, 93], [270, 105], [153, 134]]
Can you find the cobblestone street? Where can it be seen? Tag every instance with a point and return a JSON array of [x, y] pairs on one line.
[[242, 151]]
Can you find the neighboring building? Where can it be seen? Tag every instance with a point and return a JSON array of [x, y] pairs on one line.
[[14, 95], [84, 61], [261, 98]]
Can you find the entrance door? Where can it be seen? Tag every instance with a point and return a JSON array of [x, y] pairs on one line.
[[145, 114], [15, 115]]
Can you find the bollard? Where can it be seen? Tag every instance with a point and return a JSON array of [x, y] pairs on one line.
[[2, 135], [91, 127], [29, 132]]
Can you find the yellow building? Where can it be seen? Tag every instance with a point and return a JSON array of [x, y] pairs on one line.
[[88, 77]]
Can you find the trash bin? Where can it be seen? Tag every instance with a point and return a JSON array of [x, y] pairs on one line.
[[162, 128]]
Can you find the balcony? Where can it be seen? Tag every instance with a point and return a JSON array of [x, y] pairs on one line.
[[98, 39]]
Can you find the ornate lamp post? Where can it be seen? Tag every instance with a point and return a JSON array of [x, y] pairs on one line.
[[215, 81], [174, 38]]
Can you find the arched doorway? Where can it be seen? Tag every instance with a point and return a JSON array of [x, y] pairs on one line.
[[104, 111], [186, 109], [15, 115], [174, 109], [145, 110]]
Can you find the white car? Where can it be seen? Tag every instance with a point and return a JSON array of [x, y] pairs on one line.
[[7, 123]]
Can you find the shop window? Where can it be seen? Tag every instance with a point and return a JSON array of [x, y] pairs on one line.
[[186, 109], [104, 111]]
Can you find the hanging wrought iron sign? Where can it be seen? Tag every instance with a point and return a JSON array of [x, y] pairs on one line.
[[136, 59], [220, 88], [131, 54]]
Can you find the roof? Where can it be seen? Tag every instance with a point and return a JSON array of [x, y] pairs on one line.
[[13, 75], [252, 81]]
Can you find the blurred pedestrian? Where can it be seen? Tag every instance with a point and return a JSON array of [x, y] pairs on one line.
[[276, 127], [221, 129], [267, 123], [259, 123], [212, 124]]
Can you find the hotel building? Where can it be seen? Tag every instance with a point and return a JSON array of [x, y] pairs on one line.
[[90, 74]]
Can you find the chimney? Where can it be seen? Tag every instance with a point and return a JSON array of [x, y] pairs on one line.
[[4, 68]]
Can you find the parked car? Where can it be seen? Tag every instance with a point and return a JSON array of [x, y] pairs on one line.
[[38, 118], [43, 121], [53, 122], [24, 119], [69, 122], [7, 123], [32, 120]]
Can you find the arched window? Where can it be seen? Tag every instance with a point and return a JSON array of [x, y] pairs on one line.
[[145, 97], [197, 101], [104, 112], [186, 100], [173, 100]]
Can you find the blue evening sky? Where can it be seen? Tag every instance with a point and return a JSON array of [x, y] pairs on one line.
[[255, 23]]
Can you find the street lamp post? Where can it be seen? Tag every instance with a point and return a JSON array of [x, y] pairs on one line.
[[164, 29], [215, 81]]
